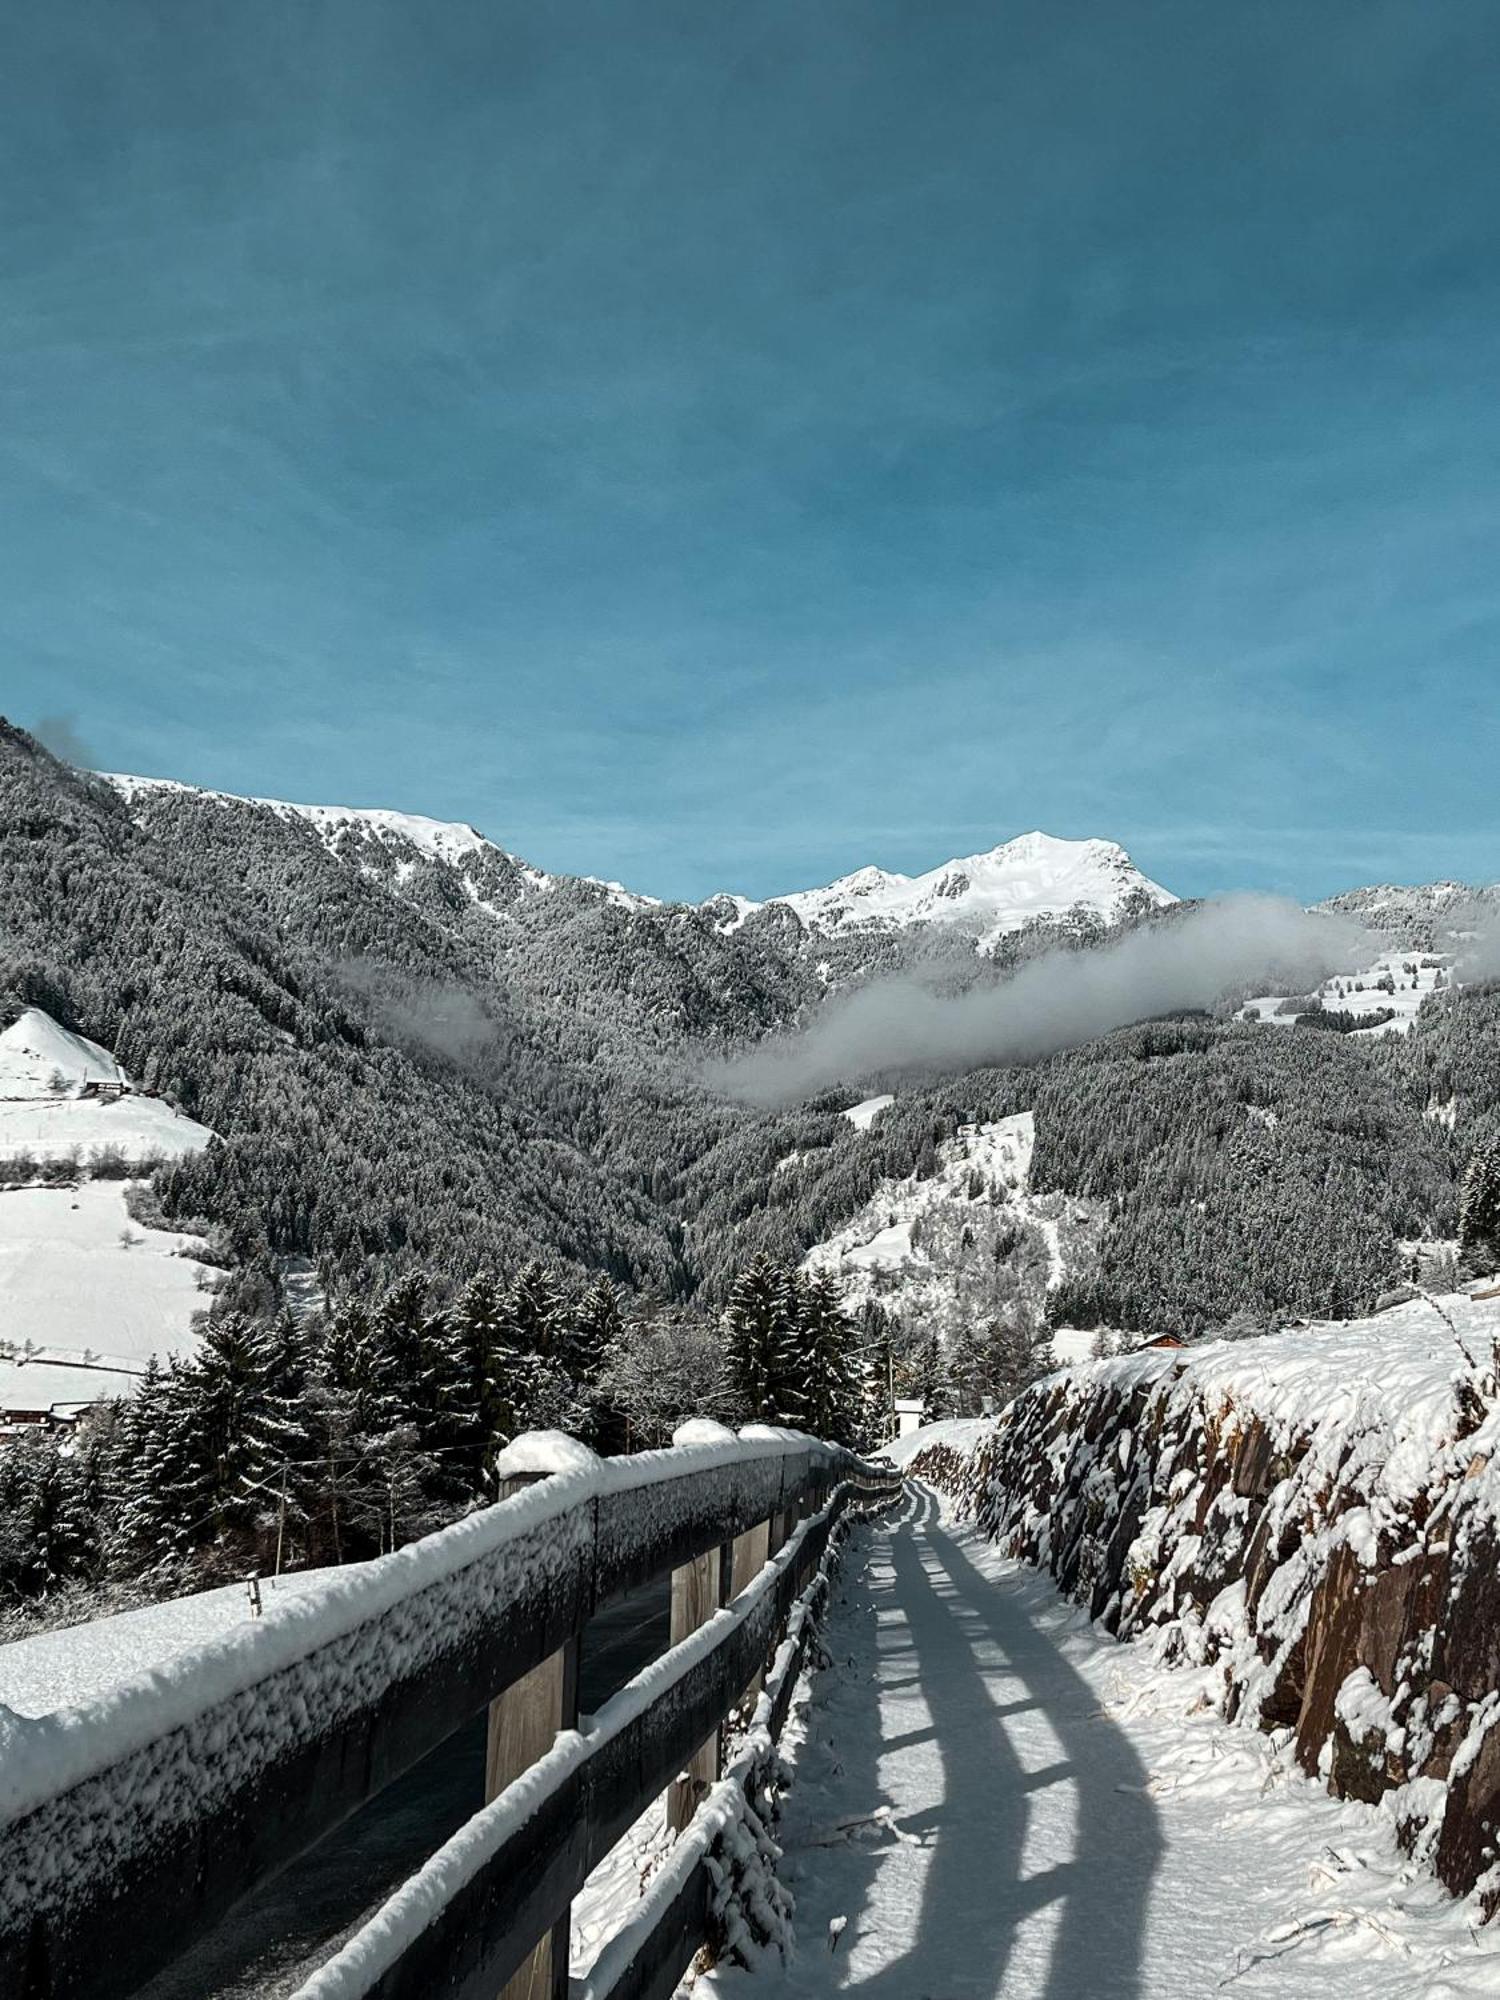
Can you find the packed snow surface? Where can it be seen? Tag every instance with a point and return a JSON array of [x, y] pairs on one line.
[[87, 1295], [863, 1115], [1034, 876], [43, 1070], [994, 1801]]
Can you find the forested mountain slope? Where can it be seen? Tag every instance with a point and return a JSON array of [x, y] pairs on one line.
[[421, 1052], [411, 1058]]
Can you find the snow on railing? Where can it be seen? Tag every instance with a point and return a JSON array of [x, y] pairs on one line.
[[186, 1785], [376, 1950]]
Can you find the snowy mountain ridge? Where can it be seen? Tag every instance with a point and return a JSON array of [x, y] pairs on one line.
[[442, 840], [1035, 876]]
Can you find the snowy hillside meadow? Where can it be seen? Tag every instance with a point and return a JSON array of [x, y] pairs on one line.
[[87, 1294], [63, 1100], [931, 1247]]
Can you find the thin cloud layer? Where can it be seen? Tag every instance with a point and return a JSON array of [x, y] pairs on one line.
[[1052, 1003]]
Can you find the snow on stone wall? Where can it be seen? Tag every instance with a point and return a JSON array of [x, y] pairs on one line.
[[1318, 1513]]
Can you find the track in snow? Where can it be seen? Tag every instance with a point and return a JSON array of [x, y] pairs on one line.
[[999, 1801]]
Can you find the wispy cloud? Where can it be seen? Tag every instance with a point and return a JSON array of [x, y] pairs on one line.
[[1054, 1002]]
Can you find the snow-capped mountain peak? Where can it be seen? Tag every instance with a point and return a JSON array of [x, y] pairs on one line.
[[1033, 877], [1036, 875]]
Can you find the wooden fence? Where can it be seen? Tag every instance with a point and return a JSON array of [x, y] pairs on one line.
[[124, 1842]]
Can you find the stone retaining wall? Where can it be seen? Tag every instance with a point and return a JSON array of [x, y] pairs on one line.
[[1355, 1607]]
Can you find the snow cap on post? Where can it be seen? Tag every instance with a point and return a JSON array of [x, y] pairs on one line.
[[703, 1430], [539, 1453]]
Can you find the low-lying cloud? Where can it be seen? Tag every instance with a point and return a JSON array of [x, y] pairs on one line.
[[441, 1016], [1053, 1002], [61, 735]]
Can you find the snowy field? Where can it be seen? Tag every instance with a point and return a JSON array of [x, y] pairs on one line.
[[994, 1801], [76, 1297], [1414, 975], [44, 1067], [863, 1115], [86, 1295]]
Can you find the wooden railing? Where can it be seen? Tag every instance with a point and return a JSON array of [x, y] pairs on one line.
[[128, 1830]]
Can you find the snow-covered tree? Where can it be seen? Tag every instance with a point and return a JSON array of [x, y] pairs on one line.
[[759, 1326], [1479, 1209], [667, 1365], [593, 1329], [480, 1326], [820, 1339]]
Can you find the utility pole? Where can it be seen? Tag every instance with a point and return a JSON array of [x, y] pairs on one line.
[[281, 1517]]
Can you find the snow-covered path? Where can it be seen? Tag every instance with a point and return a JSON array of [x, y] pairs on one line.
[[993, 1799]]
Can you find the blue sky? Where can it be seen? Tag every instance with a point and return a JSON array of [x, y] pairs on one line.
[[722, 445]]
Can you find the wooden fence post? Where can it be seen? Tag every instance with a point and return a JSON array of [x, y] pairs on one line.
[[523, 1724], [695, 1599], [752, 1551]]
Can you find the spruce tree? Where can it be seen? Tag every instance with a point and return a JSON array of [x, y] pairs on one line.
[[1479, 1210], [596, 1324], [596, 1329], [210, 1448], [759, 1327], [48, 1534], [534, 1313], [927, 1381], [829, 1397], [480, 1325]]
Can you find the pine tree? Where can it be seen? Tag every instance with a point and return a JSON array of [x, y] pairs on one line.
[[48, 1534], [480, 1324], [1479, 1209], [534, 1323], [292, 1434], [927, 1381], [595, 1329], [434, 1445], [597, 1332], [824, 1334], [758, 1324], [210, 1444], [534, 1313], [876, 1378]]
